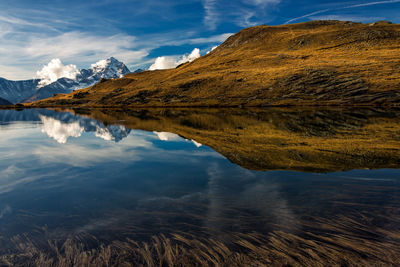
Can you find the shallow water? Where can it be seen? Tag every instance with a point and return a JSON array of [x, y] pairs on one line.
[[125, 187]]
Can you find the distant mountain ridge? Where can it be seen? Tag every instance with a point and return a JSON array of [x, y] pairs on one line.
[[29, 90], [4, 102]]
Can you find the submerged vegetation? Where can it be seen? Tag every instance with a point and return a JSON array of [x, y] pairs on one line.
[[339, 241]]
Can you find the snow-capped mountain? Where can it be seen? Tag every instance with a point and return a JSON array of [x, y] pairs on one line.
[[28, 91], [16, 91]]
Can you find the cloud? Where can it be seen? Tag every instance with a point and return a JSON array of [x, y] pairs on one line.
[[7, 209], [21, 53], [169, 62], [211, 39], [264, 2], [72, 45], [341, 8], [212, 49], [99, 65], [243, 13], [211, 14], [56, 70], [162, 63], [346, 18]]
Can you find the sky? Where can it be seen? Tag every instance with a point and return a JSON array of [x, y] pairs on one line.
[[80, 33]]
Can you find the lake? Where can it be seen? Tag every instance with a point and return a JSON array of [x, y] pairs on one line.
[[278, 187]]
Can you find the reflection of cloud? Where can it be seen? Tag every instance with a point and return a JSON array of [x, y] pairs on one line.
[[197, 144], [166, 136], [92, 152], [60, 131], [245, 191], [7, 209]]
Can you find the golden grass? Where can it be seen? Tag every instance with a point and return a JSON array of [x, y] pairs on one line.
[[335, 242], [313, 63]]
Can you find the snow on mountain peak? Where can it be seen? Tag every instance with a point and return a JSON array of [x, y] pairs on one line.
[[109, 68], [99, 65], [57, 78]]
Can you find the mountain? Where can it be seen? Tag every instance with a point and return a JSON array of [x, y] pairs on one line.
[[312, 63], [16, 91], [28, 91], [4, 102]]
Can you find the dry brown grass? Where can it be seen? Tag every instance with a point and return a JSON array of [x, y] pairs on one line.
[[341, 241], [313, 63]]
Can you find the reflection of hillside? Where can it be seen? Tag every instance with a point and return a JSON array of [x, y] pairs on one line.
[[309, 140]]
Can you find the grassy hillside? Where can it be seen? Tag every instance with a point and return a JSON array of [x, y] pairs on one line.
[[271, 139], [312, 63]]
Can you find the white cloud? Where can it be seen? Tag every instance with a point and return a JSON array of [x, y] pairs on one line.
[[212, 49], [346, 18], [264, 2], [162, 63], [211, 39], [341, 8], [243, 13], [169, 62], [72, 45], [211, 14], [60, 131], [56, 70]]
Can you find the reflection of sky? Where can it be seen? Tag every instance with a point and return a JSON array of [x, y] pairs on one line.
[[65, 172]]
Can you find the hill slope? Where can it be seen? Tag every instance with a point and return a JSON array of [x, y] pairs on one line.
[[4, 102], [313, 63]]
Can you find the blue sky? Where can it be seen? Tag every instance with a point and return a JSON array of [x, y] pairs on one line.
[[33, 32]]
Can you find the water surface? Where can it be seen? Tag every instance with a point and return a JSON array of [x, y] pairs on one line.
[[149, 187]]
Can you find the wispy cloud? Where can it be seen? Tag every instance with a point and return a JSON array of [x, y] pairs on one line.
[[211, 14], [309, 15], [346, 18], [243, 13]]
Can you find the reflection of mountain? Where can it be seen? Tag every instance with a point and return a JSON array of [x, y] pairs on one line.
[[62, 125], [309, 140], [4, 102]]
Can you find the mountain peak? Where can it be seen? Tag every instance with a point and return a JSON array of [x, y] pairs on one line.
[[22, 91], [109, 68]]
